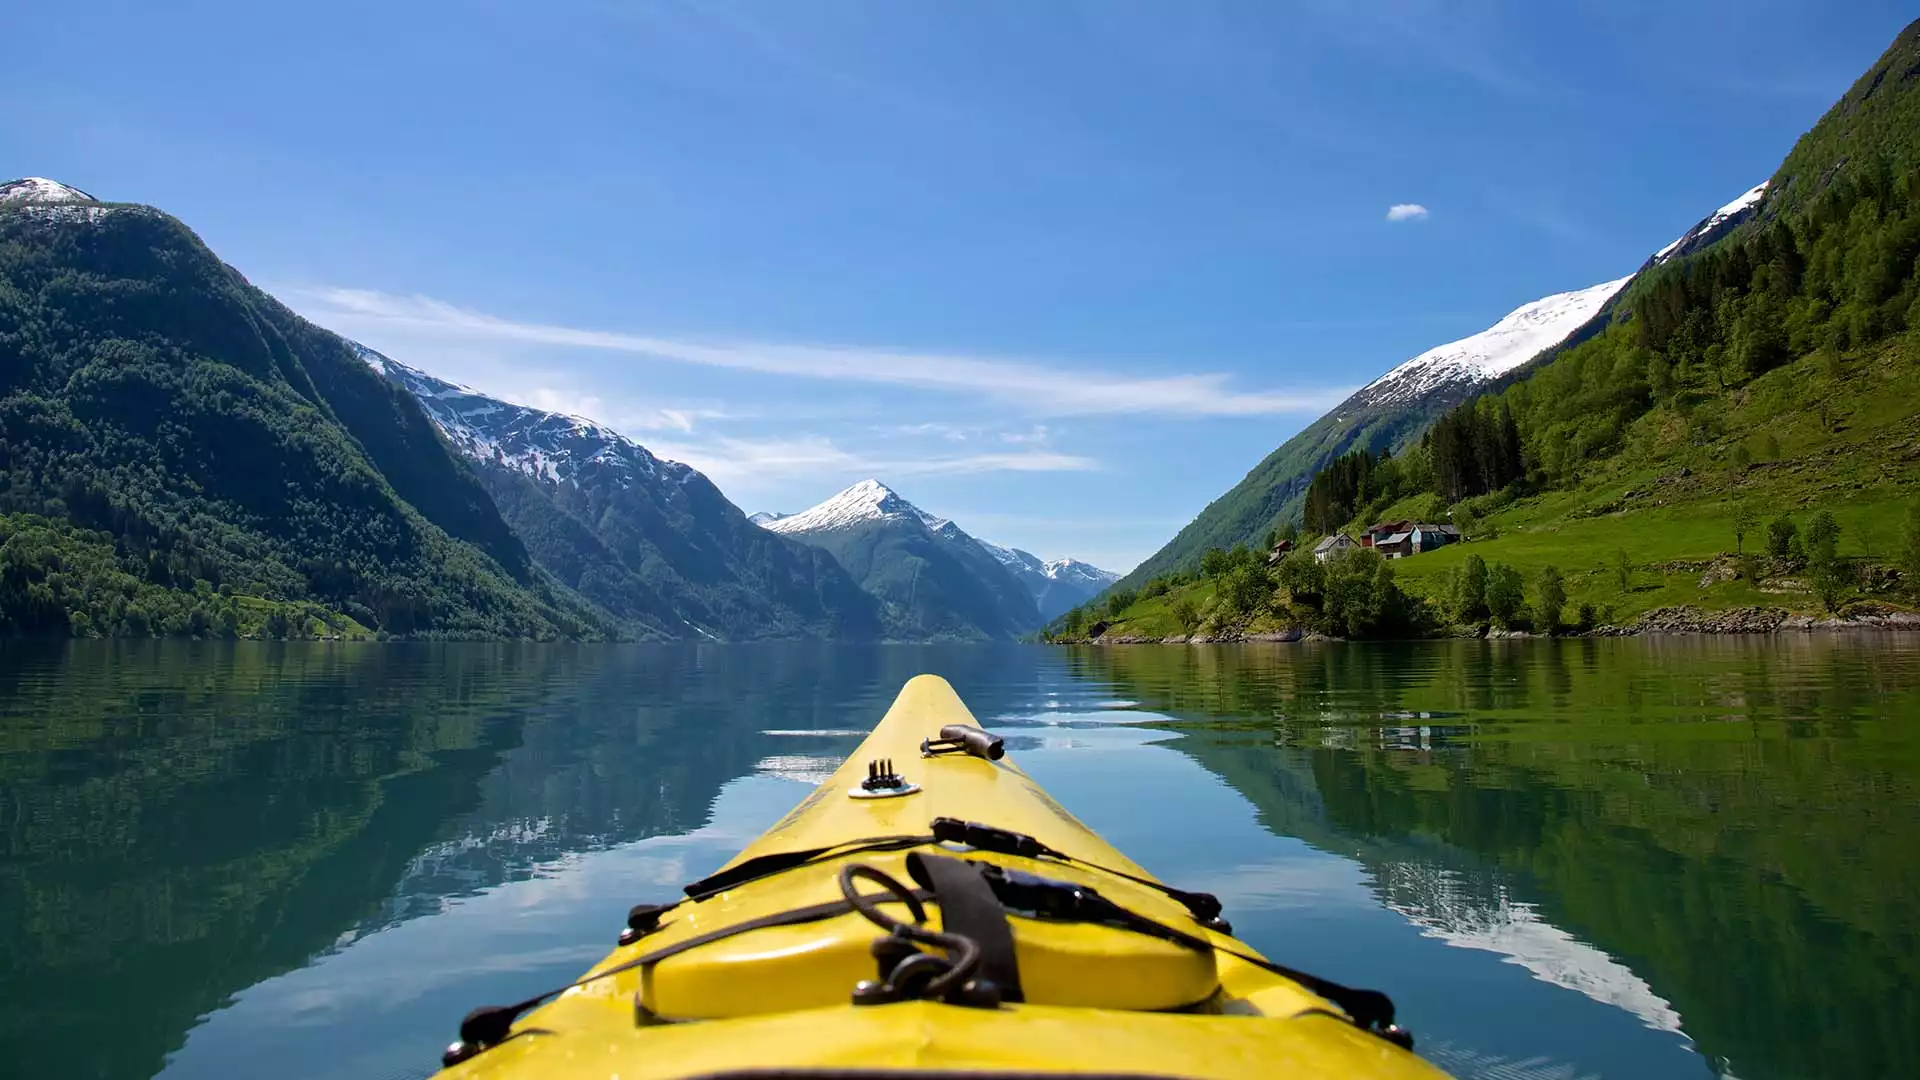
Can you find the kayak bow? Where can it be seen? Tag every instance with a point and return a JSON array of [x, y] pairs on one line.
[[929, 910]]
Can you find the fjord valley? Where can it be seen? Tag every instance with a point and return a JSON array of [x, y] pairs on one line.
[[511, 508], [183, 456], [1730, 430]]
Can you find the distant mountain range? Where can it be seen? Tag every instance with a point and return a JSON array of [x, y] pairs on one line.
[[1394, 409], [651, 541], [932, 576], [1057, 585]]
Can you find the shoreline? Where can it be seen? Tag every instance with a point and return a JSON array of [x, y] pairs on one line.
[[1683, 620]]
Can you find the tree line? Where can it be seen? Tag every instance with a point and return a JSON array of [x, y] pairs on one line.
[[1363, 483]]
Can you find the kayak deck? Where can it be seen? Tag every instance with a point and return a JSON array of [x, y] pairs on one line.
[[1091, 997]]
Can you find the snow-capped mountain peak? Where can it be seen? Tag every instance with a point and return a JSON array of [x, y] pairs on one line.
[[1522, 335], [551, 447], [41, 189], [1054, 586], [1076, 572], [871, 500], [868, 500]]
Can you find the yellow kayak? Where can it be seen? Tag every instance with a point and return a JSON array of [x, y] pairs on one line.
[[929, 910]]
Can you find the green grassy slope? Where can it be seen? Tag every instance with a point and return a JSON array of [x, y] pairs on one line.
[[1819, 436], [1815, 435]]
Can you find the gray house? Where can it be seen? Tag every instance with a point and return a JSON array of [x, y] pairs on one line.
[[1338, 542]]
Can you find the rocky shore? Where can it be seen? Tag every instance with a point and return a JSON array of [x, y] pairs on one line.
[[1217, 637], [1684, 619], [1759, 620]]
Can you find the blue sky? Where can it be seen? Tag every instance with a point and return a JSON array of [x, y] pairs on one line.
[[1060, 271]]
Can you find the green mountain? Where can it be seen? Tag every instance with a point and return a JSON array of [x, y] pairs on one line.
[[1774, 338], [1385, 415], [933, 580], [1759, 395], [651, 541], [180, 453]]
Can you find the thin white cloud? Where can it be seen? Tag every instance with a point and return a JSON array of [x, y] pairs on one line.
[[682, 420], [1407, 211], [951, 432], [1047, 389], [760, 462]]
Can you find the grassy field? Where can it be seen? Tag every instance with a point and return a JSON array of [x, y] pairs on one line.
[[1825, 433]]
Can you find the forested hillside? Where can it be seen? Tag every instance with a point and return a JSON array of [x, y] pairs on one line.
[[1743, 433], [180, 453]]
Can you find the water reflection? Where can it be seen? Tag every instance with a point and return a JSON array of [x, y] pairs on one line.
[[182, 821], [1566, 857], [1720, 835]]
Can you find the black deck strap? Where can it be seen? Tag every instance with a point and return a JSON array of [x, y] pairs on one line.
[[776, 862], [969, 908], [1370, 1010], [1000, 841], [490, 1024]]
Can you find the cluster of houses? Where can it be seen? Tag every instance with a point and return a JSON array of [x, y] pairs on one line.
[[1394, 539]]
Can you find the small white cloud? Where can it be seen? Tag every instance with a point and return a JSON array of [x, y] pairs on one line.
[[1406, 211], [564, 401]]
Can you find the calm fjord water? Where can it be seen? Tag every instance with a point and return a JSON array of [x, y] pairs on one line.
[[1623, 858]]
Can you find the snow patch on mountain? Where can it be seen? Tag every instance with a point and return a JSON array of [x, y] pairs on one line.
[[1075, 572], [763, 518], [51, 200], [1072, 571], [1532, 329], [1724, 218], [1014, 559], [41, 189], [1523, 334], [551, 447]]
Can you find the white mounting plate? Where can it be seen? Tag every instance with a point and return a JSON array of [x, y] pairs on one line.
[[858, 792]]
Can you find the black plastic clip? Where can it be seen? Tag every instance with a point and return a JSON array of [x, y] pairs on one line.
[[643, 919], [988, 838], [965, 738]]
